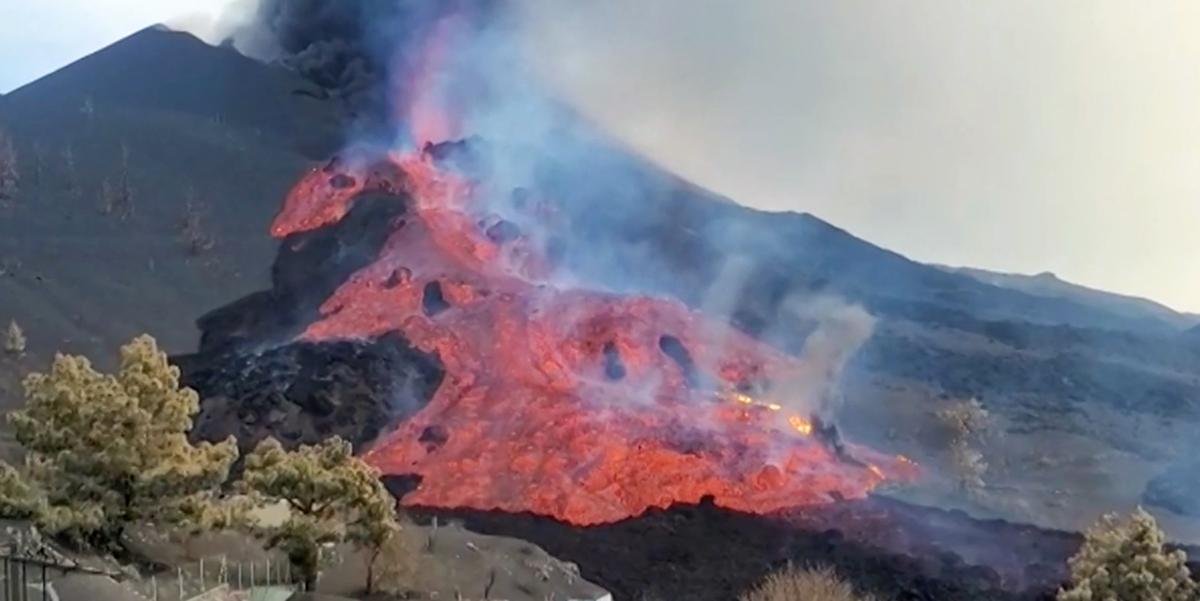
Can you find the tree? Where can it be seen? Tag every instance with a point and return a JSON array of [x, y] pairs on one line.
[[14, 339], [393, 565], [10, 177], [107, 451], [1124, 560], [18, 500], [332, 497], [796, 584], [192, 231], [116, 198], [967, 421]]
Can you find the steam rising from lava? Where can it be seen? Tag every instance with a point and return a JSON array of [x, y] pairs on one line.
[[562, 396]]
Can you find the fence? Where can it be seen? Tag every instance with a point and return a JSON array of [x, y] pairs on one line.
[[25, 574], [198, 579], [32, 579]]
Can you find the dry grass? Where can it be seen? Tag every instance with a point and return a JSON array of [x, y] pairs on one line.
[[804, 584]]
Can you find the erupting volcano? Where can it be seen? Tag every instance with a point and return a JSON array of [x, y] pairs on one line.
[[583, 405], [579, 404]]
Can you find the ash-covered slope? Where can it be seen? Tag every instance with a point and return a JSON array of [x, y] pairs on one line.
[[147, 173], [1151, 314]]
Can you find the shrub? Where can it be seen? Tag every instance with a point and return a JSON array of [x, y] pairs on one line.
[[14, 339], [810, 584], [1124, 560]]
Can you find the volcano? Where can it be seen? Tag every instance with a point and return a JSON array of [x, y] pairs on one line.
[[560, 397], [330, 345], [583, 405]]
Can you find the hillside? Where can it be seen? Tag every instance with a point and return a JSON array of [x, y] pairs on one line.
[[1049, 285], [1091, 399], [114, 153]]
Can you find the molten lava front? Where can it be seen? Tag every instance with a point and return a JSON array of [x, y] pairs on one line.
[[581, 405]]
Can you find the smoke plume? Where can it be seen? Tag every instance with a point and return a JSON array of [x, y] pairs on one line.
[[427, 72]]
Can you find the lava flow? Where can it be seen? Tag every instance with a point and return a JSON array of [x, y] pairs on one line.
[[586, 406], [582, 405]]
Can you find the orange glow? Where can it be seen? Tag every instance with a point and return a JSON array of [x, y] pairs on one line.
[[528, 418], [801, 425]]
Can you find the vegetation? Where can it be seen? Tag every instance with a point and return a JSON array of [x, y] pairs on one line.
[[14, 339], [967, 421], [108, 451], [796, 584], [332, 497], [393, 565], [1124, 560], [10, 177], [116, 198], [193, 234]]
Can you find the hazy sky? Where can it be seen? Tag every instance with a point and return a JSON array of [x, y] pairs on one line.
[[1007, 134]]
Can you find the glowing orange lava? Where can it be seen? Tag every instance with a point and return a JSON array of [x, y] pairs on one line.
[[582, 405]]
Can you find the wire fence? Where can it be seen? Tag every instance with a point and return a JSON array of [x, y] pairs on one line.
[[195, 580], [33, 579]]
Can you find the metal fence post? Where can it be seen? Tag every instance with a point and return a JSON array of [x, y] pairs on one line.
[[154, 586], [179, 573], [252, 574]]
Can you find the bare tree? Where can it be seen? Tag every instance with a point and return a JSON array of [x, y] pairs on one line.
[[193, 233], [967, 421], [70, 178], [88, 108], [116, 196], [10, 176], [39, 162]]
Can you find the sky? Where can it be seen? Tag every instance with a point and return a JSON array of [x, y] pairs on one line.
[[1015, 135]]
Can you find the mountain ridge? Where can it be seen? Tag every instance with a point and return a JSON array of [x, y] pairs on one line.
[[1049, 284]]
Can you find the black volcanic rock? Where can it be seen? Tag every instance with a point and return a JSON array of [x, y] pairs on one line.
[[308, 268], [705, 553], [302, 393], [1176, 489]]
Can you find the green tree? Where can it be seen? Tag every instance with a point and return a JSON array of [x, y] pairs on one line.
[[1124, 560], [332, 497], [18, 499], [108, 451]]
